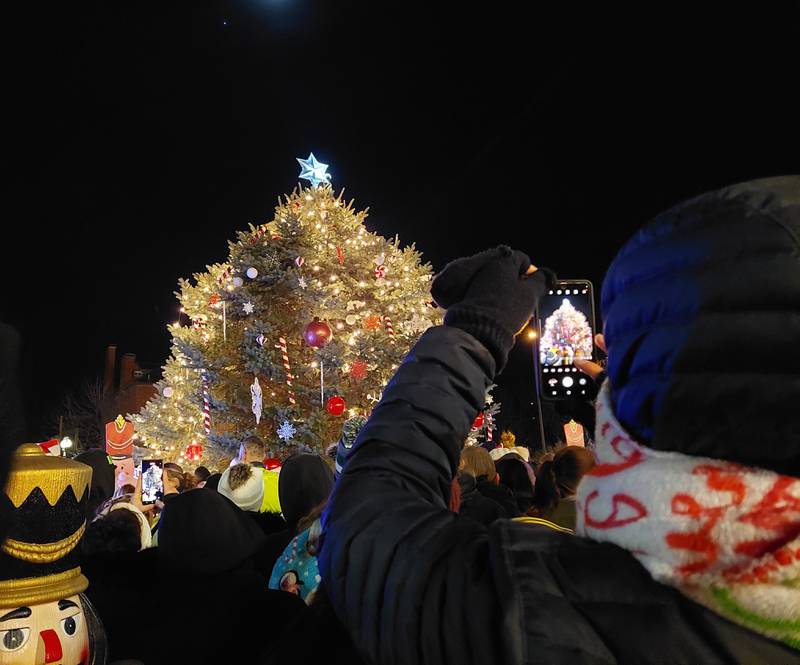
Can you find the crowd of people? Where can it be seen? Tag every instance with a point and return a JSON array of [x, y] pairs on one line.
[[265, 534], [674, 538]]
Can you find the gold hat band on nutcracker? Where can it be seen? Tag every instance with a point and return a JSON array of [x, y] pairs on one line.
[[42, 552], [44, 589]]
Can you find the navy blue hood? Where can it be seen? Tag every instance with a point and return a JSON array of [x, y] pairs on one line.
[[701, 311]]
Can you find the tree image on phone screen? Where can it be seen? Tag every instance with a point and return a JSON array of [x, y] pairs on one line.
[[152, 483], [567, 336]]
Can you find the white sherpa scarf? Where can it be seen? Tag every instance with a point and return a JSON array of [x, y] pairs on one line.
[[726, 535]]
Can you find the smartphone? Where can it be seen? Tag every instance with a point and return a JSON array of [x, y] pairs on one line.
[[566, 329], [152, 480]]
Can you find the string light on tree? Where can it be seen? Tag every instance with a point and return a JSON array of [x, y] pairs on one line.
[[314, 231]]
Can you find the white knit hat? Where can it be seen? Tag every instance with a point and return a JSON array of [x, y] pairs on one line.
[[498, 453], [248, 496]]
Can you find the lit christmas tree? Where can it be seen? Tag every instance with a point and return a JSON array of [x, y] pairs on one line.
[[301, 328], [567, 336]]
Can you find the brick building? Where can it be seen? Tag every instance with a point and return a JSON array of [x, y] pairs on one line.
[[129, 384]]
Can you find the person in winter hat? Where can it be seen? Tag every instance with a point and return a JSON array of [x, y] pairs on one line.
[[350, 430], [244, 485], [516, 474], [690, 517], [305, 483], [205, 538]]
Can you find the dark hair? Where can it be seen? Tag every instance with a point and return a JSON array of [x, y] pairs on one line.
[[202, 473], [118, 531], [306, 521], [514, 475], [127, 488], [559, 478]]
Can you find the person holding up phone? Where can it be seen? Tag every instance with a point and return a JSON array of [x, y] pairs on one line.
[[689, 522]]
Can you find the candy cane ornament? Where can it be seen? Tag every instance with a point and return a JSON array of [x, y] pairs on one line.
[[285, 357], [225, 274], [388, 322], [206, 406]]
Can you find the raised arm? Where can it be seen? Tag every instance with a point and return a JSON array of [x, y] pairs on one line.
[[412, 581]]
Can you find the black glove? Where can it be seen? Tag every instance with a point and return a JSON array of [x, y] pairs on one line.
[[489, 296]]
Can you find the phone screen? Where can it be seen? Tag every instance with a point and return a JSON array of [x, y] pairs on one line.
[[566, 333], [152, 480]]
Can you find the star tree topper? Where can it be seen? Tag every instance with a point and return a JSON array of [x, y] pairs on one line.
[[314, 171]]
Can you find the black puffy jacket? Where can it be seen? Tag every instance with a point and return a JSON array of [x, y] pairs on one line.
[[415, 583]]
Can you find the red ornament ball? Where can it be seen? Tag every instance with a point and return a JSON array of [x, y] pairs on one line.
[[478, 421], [317, 333], [335, 405], [194, 451]]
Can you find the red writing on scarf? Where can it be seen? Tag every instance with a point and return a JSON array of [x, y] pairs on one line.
[[624, 510], [778, 511], [628, 456], [701, 541]]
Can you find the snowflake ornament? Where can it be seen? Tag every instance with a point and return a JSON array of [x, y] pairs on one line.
[[248, 307], [286, 431], [302, 283]]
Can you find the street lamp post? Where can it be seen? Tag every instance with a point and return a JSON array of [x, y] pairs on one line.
[[533, 335]]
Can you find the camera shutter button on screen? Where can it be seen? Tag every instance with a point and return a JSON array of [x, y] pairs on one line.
[[567, 381]]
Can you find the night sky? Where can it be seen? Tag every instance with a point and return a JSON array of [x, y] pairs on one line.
[[143, 135]]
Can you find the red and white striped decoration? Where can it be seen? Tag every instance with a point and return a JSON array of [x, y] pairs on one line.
[[206, 406], [225, 274], [488, 426], [388, 322], [285, 357], [260, 231]]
